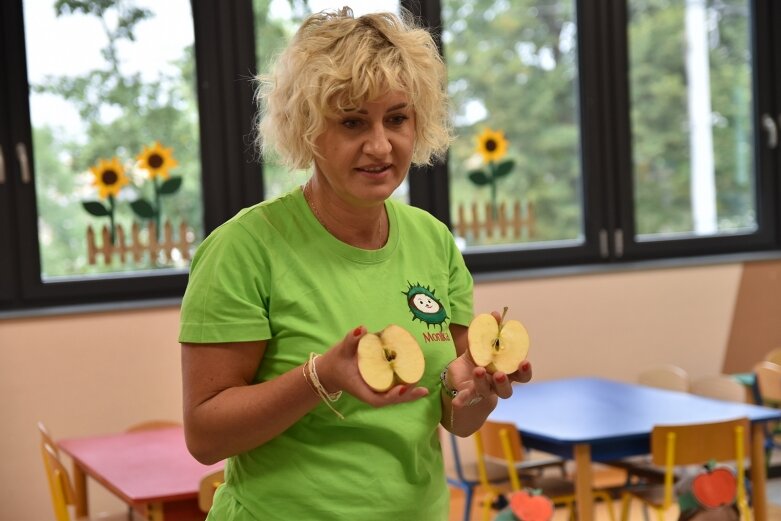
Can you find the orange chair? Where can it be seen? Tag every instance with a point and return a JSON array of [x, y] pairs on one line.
[[693, 444]]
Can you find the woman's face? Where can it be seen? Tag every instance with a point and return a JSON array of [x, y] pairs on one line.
[[366, 152]]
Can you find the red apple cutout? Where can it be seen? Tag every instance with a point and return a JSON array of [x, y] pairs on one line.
[[531, 505], [715, 487]]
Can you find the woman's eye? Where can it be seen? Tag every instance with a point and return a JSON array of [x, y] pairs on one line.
[[351, 123], [398, 120]]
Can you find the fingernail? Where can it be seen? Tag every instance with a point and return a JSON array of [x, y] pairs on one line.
[[357, 331], [501, 378], [525, 366], [402, 390]]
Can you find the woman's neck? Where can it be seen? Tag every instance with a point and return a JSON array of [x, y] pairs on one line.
[[363, 227]]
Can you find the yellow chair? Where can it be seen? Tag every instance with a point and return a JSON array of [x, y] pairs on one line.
[[462, 472], [502, 441], [59, 483], [208, 486], [721, 387], [692, 444]]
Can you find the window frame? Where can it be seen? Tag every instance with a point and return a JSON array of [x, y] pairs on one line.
[[232, 175], [231, 179]]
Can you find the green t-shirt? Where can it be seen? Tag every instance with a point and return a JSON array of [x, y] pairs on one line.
[[273, 272]]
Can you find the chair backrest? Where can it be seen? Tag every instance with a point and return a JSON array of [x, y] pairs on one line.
[[697, 444], [774, 355], [501, 440], [721, 387], [208, 487], [59, 483], [667, 376], [768, 382], [152, 424], [47, 437]]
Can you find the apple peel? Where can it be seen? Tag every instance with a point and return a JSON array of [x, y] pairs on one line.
[[497, 346]]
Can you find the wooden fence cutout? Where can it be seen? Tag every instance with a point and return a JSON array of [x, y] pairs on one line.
[[488, 226], [136, 247]]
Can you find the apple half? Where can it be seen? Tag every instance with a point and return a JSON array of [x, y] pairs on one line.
[[390, 357], [497, 346]]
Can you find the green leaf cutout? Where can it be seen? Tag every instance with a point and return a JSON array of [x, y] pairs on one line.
[[479, 178], [504, 168], [171, 185], [95, 208], [142, 208]]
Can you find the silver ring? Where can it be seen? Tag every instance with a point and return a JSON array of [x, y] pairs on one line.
[[474, 401]]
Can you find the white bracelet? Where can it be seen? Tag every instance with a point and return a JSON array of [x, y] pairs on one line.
[[318, 387]]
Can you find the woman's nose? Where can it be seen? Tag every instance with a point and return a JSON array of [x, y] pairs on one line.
[[377, 143]]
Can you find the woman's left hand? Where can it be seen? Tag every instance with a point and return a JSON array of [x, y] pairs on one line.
[[475, 383]]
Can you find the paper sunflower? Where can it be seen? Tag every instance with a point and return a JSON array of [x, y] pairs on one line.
[[157, 160], [492, 145], [109, 177]]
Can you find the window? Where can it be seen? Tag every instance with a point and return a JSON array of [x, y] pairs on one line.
[[120, 151], [588, 132], [620, 130]]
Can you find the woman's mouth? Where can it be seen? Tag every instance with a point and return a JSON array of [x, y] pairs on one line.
[[373, 169]]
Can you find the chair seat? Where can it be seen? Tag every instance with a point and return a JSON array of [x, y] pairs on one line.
[[651, 494], [552, 486]]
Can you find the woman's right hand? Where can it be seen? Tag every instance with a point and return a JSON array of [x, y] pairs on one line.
[[337, 370]]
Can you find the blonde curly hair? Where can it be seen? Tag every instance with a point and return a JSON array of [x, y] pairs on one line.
[[337, 62]]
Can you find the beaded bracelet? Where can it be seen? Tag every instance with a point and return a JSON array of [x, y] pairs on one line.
[[443, 380]]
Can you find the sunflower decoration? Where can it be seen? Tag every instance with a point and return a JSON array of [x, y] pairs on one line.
[[157, 161], [492, 146], [109, 178]]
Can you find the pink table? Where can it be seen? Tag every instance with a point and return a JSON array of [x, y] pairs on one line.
[[149, 470]]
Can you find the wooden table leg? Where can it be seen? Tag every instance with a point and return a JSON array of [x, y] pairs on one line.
[[80, 488], [584, 483], [154, 512], [758, 472]]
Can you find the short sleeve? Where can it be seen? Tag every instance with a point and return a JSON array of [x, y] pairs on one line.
[[461, 287], [226, 299]]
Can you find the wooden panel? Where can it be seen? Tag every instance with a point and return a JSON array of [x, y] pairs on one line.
[[756, 327]]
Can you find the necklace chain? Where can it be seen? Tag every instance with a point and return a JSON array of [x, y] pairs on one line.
[[307, 191]]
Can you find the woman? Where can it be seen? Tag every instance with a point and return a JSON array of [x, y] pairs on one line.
[[281, 294]]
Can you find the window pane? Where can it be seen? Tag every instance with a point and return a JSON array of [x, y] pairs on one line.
[[690, 81], [275, 23], [515, 172], [115, 133]]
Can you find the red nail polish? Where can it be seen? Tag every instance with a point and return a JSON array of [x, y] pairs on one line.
[[501, 378], [357, 331], [525, 366], [402, 390]]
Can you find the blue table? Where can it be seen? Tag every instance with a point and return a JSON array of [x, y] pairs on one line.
[[593, 419]]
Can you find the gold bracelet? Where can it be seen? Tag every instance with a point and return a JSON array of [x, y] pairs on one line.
[[315, 383]]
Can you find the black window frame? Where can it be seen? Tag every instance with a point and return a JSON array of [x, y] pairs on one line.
[[232, 175]]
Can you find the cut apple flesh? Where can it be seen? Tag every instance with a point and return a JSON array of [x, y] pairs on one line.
[[497, 347], [390, 357]]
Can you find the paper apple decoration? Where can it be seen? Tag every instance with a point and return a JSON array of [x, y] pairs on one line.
[[390, 357], [497, 346], [531, 505], [715, 487]]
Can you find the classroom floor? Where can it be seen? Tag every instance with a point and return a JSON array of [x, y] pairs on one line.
[[606, 477]]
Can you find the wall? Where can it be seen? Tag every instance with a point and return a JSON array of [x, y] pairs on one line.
[[97, 373]]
